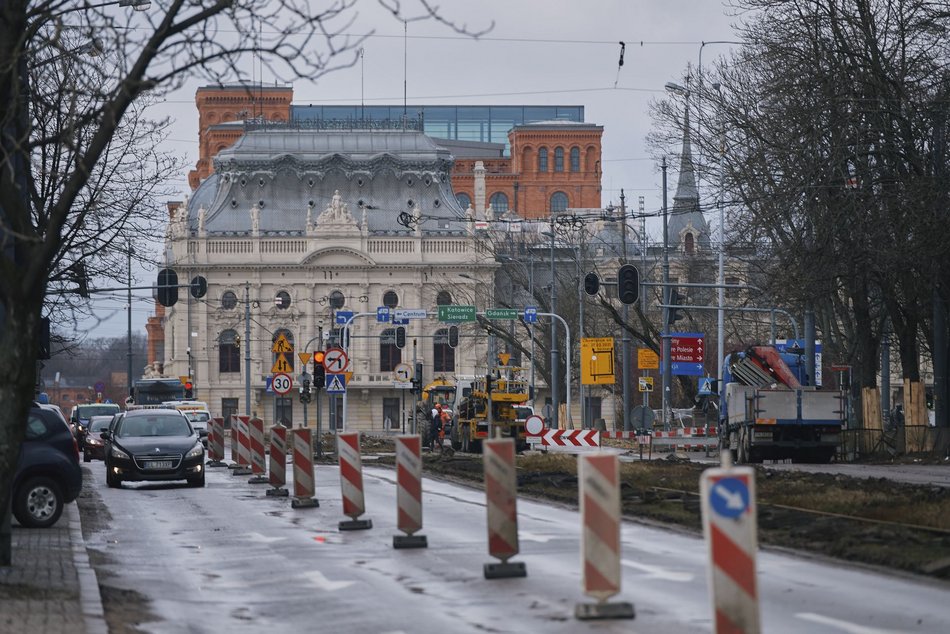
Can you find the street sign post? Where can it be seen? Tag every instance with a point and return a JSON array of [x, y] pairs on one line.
[[687, 353], [335, 361], [282, 383], [647, 359], [343, 316], [336, 384], [456, 314], [531, 315], [402, 376], [410, 313], [502, 313], [382, 314], [281, 365], [282, 344], [597, 361], [646, 383]]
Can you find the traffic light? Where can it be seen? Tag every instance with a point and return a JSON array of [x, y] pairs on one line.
[[628, 284], [673, 314], [417, 380], [591, 284], [454, 336], [189, 388], [305, 393], [199, 286], [400, 337], [167, 287], [319, 372], [489, 383]]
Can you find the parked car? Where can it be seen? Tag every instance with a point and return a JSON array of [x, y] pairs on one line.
[[47, 475], [154, 444], [93, 444]]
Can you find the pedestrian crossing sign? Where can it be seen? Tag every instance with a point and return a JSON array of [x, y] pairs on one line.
[[336, 383], [707, 385]]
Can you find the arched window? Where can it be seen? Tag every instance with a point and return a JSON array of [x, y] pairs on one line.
[[228, 300], [499, 202], [282, 300], [689, 244], [389, 355], [558, 201], [543, 159], [229, 353], [575, 159], [558, 159], [390, 299], [443, 355], [337, 299], [288, 356], [464, 199], [444, 298]]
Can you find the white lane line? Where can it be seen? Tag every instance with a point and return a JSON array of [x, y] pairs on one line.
[[525, 536], [844, 626], [657, 572], [318, 579]]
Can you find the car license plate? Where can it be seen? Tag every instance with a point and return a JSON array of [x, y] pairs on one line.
[[159, 464]]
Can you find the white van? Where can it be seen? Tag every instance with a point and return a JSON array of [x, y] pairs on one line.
[[196, 412]]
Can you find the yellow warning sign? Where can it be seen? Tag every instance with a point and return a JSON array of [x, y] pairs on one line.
[[647, 359], [646, 383], [597, 361], [304, 357], [281, 364], [282, 344], [184, 379], [504, 358]]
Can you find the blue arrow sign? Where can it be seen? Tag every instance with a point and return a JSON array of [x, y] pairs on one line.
[[684, 368], [336, 383], [382, 314], [531, 315], [705, 386], [729, 497], [343, 316]]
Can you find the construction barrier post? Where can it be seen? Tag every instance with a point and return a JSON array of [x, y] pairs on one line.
[[243, 447], [409, 492], [600, 537], [232, 435], [216, 443], [278, 462], [499, 465], [255, 441], [351, 481], [727, 496], [304, 488]]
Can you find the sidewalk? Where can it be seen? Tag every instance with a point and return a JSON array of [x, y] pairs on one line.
[[51, 588]]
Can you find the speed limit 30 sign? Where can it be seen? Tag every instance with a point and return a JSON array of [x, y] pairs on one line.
[[281, 383]]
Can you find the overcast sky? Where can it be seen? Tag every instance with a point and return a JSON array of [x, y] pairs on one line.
[[539, 52]]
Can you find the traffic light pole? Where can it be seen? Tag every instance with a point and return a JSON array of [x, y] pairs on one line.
[[247, 349]]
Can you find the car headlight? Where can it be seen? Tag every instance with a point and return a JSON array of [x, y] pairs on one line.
[[94, 442], [115, 452], [196, 451]]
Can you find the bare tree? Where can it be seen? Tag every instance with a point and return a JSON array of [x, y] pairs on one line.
[[147, 54]]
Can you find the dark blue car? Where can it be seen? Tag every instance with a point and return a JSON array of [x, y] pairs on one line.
[[48, 475]]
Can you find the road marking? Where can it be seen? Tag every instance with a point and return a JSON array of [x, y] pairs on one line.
[[657, 572], [319, 579], [258, 537], [844, 626], [535, 537]]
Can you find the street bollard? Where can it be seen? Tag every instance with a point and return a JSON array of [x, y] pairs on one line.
[[409, 492], [216, 443], [256, 448], [278, 462], [499, 461], [304, 488], [351, 481]]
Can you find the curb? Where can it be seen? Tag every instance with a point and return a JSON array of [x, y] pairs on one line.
[[90, 600]]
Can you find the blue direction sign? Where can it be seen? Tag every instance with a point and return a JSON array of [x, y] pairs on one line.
[[706, 386], [336, 383], [343, 316], [531, 314], [382, 314], [686, 368], [729, 497]]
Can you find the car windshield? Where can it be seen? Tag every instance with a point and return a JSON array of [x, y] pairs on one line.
[[88, 411], [198, 417], [154, 425], [100, 424], [522, 412]]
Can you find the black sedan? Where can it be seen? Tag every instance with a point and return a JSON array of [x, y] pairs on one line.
[[92, 444], [154, 444]]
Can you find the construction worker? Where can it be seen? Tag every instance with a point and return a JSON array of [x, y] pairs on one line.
[[435, 425], [445, 424]]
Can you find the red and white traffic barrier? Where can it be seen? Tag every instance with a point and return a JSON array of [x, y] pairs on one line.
[[409, 492], [600, 540], [304, 489], [727, 496], [351, 481], [243, 447], [234, 442], [216, 442], [278, 461], [255, 443], [499, 464], [574, 438]]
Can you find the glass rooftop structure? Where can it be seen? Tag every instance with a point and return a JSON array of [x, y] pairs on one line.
[[489, 124]]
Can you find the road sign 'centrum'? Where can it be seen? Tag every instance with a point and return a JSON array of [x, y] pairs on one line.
[[456, 314]]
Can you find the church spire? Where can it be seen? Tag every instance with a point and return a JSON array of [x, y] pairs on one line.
[[687, 218]]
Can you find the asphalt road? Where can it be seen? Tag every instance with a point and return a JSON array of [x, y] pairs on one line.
[[228, 558]]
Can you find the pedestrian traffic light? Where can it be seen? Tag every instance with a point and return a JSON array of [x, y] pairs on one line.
[[591, 284], [400, 337], [305, 392], [319, 372], [189, 388], [628, 284], [674, 314], [167, 287], [454, 336]]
